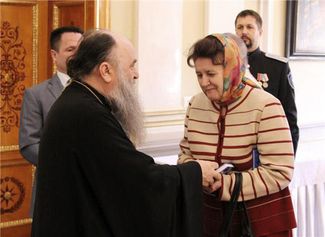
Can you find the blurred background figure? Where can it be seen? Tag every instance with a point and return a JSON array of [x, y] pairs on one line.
[[273, 72]]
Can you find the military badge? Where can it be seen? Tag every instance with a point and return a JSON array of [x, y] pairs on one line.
[[263, 79]]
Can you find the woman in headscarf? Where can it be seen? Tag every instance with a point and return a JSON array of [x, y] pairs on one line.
[[234, 121]]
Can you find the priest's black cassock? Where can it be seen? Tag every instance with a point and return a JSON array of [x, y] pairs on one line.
[[93, 182]]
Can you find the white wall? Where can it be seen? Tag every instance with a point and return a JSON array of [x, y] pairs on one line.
[[220, 15], [123, 18], [163, 37], [160, 54], [309, 88]]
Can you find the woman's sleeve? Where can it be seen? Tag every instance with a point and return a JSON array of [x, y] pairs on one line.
[[276, 156]]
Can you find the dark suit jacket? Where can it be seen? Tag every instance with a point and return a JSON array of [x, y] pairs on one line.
[[280, 85], [37, 102], [93, 182]]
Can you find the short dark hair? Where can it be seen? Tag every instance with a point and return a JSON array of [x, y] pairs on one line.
[[56, 34], [94, 48], [208, 47], [249, 12]]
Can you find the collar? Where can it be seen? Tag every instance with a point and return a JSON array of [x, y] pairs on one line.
[[64, 78], [254, 56], [255, 52], [99, 97], [234, 104]]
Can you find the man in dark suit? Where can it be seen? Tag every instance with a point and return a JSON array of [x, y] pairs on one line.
[[39, 98], [92, 181], [271, 71]]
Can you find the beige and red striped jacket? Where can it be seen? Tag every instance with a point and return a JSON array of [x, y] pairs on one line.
[[256, 119]]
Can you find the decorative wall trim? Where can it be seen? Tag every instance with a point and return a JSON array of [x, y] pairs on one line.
[[9, 148], [102, 13], [18, 1], [35, 43], [33, 174], [15, 223], [12, 194], [164, 118], [55, 25], [164, 130], [13, 62], [19, 88], [312, 132], [55, 17]]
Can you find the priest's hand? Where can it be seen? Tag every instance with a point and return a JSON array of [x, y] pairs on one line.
[[211, 179], [216, 185]]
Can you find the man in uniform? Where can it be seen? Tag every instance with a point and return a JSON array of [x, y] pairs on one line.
[[271, 71]]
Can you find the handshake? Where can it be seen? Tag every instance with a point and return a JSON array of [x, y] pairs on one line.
[[211, 174]]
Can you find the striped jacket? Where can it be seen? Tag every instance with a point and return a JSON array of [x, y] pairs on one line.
[[255, 120]]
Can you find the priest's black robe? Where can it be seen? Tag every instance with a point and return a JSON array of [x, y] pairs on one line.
[[93, 182]]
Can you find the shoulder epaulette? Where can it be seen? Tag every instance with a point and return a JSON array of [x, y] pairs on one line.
[[276, 57]]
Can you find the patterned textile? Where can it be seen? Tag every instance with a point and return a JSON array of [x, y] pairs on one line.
[[234, 70]]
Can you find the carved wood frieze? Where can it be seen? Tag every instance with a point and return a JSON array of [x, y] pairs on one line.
[[12, 194], [12, 66]]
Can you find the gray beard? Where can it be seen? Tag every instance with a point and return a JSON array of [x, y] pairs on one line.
[[127, 109]]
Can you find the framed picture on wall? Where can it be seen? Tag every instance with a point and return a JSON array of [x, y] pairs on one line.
[[305, 28]]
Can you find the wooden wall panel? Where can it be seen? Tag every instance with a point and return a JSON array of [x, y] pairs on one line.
[[19, 231], [19, 25], [72, 15], [16, 189], [43, 45], [69, 13], [90, 17], [16, 180], [16, 66]]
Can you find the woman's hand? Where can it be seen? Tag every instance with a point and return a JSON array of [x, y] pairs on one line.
[[211, 179]]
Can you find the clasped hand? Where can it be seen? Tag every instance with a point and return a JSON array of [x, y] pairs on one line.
[[211, 179]]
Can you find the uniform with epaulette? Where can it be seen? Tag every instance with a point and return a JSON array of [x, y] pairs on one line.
[[273, 73]]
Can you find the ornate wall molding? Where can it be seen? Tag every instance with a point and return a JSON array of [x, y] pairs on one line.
[[15, 223], [164, 130], [16, 58], [55, 17], [9, 148], [13, 67], [35, 43], [12, 194], [164, 118]]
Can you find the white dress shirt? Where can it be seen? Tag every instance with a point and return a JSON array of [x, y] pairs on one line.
[[64, 78]]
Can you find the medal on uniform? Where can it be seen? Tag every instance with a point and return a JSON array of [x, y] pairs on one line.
[[262, 78]]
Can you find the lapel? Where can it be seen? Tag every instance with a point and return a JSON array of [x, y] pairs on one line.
[[55, 87]]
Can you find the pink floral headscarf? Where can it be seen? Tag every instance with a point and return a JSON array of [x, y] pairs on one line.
[[234, 70]]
